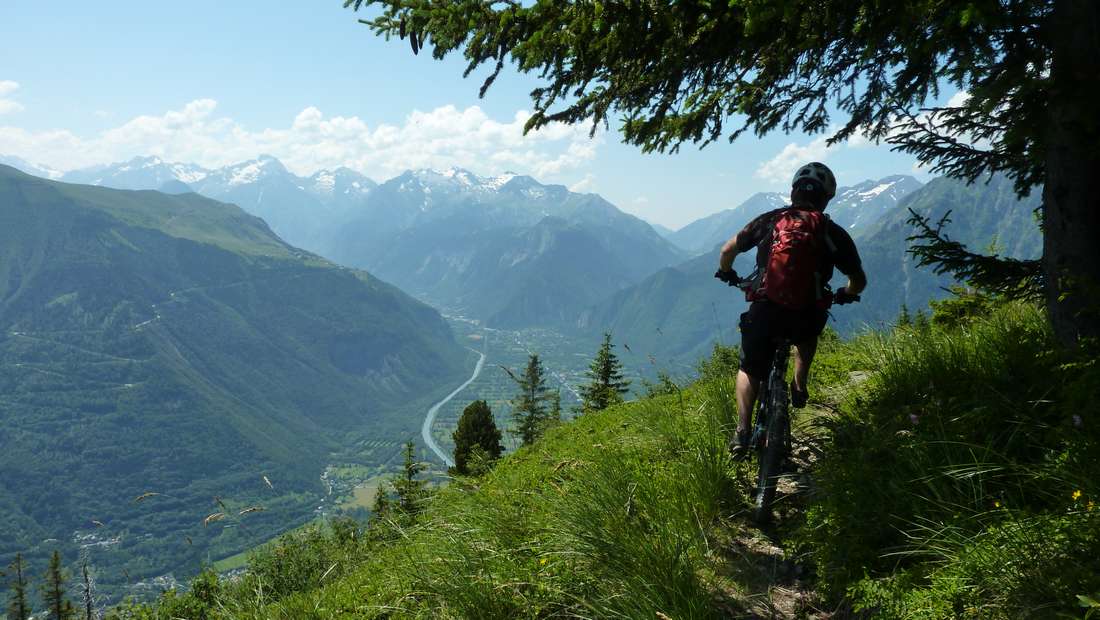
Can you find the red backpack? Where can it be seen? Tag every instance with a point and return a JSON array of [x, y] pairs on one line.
[[792, 277]]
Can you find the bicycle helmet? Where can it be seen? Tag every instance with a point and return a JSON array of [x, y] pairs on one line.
[[819, 172]]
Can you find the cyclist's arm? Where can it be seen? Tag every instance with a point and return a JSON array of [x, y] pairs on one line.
[[743, 241], [729, 252], [847, 259], [857, 281]]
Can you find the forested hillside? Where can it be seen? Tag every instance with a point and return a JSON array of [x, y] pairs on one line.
[[173, 349]]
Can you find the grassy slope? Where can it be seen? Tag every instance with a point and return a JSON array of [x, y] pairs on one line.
[[979, 509]]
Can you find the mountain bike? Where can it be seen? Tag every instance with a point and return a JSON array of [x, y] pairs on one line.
[[772, 432], [771, 435]]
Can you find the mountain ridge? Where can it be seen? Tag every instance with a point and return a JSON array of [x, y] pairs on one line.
[[172, 344]]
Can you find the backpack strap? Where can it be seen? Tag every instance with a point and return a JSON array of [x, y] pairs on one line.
[[828, 240]]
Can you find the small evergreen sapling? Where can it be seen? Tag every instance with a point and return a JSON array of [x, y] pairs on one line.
[[18, 606], [606, 384], [476, 429], [529, 412], [53, 590], [410, 490], [904, 318]]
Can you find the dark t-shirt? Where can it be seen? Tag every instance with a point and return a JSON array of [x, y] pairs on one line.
[[840, 250]]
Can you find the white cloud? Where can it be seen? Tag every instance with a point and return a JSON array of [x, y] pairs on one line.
[[443, 137], [8, 106], [781, 168], [584, 185], [958, 99]]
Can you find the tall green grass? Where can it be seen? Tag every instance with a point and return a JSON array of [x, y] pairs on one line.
[[612, 516], [944, 490]]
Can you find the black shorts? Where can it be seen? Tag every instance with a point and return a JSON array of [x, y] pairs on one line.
[[764, 323]]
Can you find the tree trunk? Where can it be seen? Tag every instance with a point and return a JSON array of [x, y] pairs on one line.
[[1071, 195]]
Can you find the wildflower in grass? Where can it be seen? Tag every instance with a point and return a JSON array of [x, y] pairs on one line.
[[997, 504], [914, 418], [1089, 506], [1077, 495], [542, 562]]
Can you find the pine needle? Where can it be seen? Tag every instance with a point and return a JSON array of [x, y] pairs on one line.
[[217, 516], [251, 509], [144, 496], [271, 486]]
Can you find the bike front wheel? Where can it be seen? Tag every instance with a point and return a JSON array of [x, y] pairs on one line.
[[771, 456]]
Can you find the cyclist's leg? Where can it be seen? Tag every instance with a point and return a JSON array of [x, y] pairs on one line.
[[812, 324], [747, 389], [804, 357], [757, 349]]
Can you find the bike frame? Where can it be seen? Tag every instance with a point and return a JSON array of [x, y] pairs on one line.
[[772, 432]]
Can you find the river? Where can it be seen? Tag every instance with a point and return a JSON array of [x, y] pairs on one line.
[[426, 429]]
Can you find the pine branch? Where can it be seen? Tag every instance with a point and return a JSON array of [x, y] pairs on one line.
[[1015, 279]]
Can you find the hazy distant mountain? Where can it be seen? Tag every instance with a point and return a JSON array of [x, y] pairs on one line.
[[679, 312], [32, 169], [704, 234], [860, 206], [854, 208], [303, 210], [981, 214], [664, 231], [174, 344], [138, 173], [175, 187], [506, 249], [423, 229]]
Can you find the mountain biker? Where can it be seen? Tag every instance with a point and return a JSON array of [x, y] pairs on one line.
[[767, 322]]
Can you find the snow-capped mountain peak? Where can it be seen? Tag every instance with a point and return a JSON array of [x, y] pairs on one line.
[[253, 170], [499, 181], [860, 205]]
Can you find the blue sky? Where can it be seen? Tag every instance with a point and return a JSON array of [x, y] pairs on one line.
[[219, 82]]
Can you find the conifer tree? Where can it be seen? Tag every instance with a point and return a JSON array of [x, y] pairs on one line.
[[904, 320], [476, 428], [921, 323], [606, 384], [696, 71], [18, 606], [381, 506], [53, 590], [529, 412], [410, 490]]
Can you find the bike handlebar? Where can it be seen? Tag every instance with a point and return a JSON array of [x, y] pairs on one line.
[[732, 279]]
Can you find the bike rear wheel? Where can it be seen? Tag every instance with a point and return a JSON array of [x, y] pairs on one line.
[[772, 454]]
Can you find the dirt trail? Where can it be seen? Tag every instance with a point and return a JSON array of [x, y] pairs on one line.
[[765, 580]]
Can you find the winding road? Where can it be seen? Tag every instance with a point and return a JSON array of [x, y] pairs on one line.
[[426, 429]]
